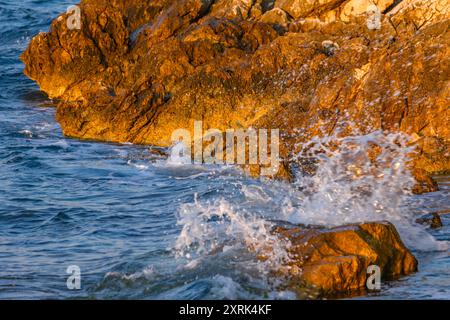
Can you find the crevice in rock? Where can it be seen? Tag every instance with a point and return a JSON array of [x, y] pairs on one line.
[[392, 6], [207, 5], [135, 34], [320, 9], [267, 5]]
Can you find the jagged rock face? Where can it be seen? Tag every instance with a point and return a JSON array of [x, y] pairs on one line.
[[330, 10], [332, 262], [138, 70]]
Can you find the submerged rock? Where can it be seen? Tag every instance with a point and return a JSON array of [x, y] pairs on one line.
[[433, 220], [329, 262]]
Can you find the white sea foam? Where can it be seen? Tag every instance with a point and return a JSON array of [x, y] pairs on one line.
[[351, 186], [147, 273], [138, 166], [212, 227], [27, 133]]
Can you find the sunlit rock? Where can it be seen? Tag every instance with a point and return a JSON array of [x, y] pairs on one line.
[[138, 70], [336, 261]]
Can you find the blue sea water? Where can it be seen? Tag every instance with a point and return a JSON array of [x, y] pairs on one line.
[[128, 218]]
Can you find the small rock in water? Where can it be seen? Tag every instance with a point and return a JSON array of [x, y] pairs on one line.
[[335, 261], [158, 152], [433, 220]]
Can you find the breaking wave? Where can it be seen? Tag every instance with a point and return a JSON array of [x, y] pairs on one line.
[[338, 180]]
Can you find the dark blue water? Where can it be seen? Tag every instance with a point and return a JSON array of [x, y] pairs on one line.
[[127, 217]]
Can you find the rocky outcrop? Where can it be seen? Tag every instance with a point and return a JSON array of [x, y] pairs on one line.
[[138, 70], [329, 262]]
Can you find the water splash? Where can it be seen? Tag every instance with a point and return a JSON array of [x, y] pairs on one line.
[[216, 227], [355, 179], [359, 178]]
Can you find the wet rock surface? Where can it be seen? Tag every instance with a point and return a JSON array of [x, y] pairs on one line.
[[433, 220], [329, 262]]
